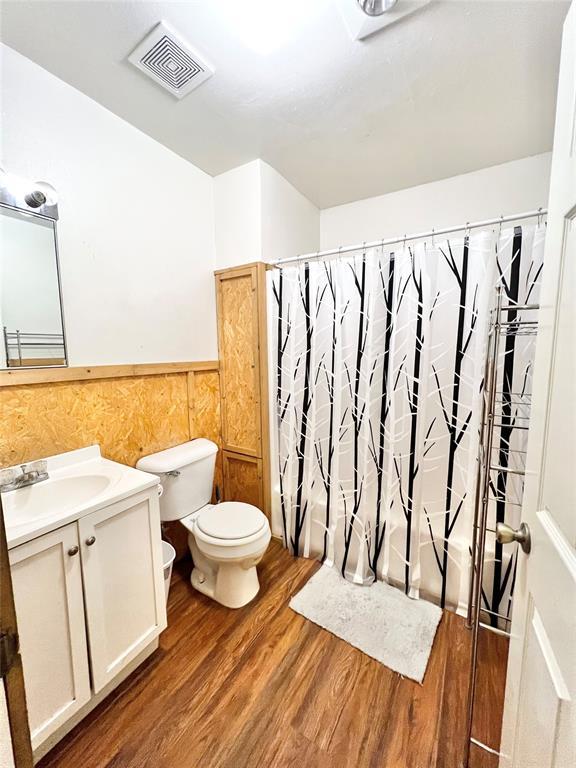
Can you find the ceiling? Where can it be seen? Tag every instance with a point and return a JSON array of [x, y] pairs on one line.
[[459, 85]]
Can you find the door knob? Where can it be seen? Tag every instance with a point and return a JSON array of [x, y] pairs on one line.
[[90, 540], [505, 534]]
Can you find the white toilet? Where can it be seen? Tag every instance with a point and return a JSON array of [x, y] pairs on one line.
[[227, 540]]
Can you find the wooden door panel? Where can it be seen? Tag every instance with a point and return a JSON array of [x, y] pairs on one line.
[[540, 707], [544, 700], [47, 584], [243, 479], [239, 371], [558, 491], [123, 582]]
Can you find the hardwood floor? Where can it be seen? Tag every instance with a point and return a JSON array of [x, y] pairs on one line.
[[263, 687]]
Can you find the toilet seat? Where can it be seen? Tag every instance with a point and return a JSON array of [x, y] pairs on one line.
[[227, 526], [231, 520]]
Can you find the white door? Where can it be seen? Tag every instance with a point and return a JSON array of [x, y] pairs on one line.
[[47, 583], [539, 729], [123, 583]]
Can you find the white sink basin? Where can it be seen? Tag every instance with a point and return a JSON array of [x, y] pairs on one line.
[[52, 496], [79, 482]]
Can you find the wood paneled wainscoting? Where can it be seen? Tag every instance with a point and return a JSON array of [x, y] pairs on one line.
[[129, 410], [242, 342]]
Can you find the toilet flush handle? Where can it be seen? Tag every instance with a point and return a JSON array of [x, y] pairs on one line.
[[172, 473]]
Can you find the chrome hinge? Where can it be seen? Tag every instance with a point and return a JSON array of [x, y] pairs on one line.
[[8, 651]]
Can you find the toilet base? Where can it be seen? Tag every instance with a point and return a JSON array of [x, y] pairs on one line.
[[231, 585]]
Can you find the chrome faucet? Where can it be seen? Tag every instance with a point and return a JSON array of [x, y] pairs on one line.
[[31, 473]]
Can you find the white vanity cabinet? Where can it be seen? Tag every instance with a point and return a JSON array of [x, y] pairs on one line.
[[123, 583], [47, 580], [90, 605]]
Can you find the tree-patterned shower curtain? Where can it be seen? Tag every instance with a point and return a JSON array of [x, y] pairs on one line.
[[378, 360]]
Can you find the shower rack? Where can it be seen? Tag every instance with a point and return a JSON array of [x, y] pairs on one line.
[[497, 407], [19, 341]]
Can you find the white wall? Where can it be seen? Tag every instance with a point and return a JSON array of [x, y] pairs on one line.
[[141, 229], [261, 217], [238, 216], [521, 185], [290, 222], [136, 229]]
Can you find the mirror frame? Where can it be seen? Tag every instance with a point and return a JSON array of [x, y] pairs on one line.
[[17, 203]]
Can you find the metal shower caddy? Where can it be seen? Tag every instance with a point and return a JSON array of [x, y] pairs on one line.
[[496, 409]]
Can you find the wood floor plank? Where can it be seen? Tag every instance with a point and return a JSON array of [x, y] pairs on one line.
[[361, 735], [490, 686], [411, 738], [262, 687], [452, 726]]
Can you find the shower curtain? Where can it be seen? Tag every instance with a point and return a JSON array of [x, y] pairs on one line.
[[378, 361]]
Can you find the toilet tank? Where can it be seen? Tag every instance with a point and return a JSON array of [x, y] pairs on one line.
[[187, 476]]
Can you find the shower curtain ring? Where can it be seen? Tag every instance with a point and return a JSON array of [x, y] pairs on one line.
[[500, 225], [539, 220], [433, 242], [467, 230]]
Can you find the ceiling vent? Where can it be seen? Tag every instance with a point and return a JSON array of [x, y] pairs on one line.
[[171, 62]]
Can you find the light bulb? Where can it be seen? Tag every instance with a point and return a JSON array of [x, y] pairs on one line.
[[376, 7], [47, 190]]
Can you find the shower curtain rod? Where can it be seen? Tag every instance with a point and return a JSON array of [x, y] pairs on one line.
[[404, 238]]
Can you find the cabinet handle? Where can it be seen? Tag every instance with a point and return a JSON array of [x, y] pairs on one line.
[[90, 540], [73, 551]]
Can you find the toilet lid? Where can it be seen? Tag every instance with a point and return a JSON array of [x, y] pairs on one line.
[[231, 520]]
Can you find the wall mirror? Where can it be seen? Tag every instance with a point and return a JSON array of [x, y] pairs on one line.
[[31, 316]]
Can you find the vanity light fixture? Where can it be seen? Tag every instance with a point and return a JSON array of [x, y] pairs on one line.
[[367, 17], [42, 194], [32, 198], [35, 199], [376, 7]]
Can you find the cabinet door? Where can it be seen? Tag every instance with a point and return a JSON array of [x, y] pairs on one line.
[[242, 479], [47, 582], [239, 360], [123, 582]]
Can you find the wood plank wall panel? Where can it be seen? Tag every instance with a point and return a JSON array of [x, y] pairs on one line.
[[204, 405], [238, 334], [21, 376], [243, 479], [241, 304], [128, 417]]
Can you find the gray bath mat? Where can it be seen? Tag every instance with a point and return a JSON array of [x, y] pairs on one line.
[[379, 619]]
